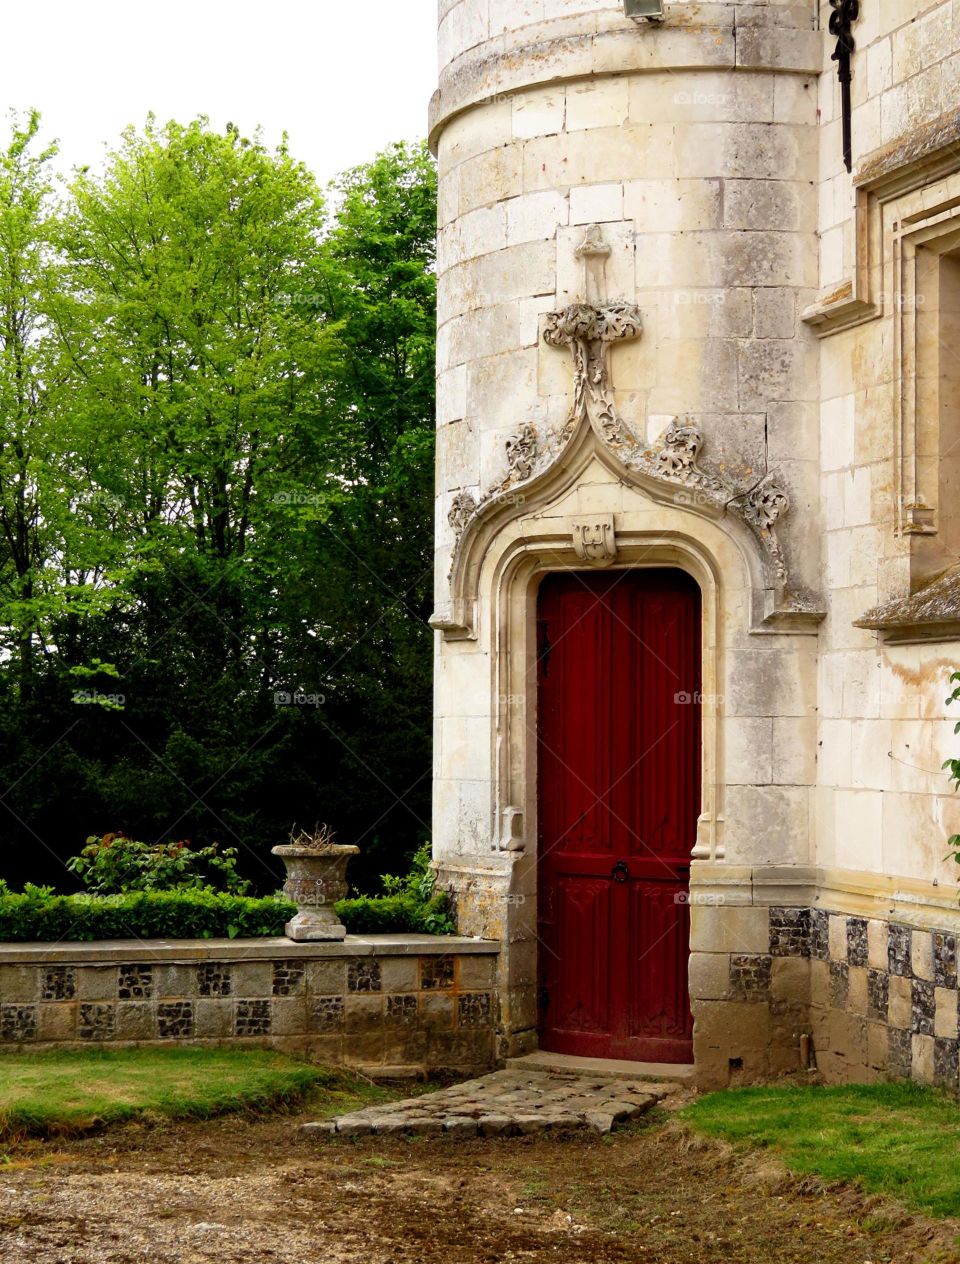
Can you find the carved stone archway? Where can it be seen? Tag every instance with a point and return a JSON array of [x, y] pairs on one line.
[[669, 472]]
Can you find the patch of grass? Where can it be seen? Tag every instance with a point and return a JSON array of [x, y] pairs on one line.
[[72, 1091], [899, 1139]]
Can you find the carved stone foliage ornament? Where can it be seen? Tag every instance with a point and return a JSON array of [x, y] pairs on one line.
[[589, 329], [461, 511], [765, 504], [589, 333], [522, 454], [676, 459]]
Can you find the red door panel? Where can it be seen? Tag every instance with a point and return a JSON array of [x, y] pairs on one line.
[[619, 797]]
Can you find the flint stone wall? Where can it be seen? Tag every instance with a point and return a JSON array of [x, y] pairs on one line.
[[877, 998], [411, 1002]]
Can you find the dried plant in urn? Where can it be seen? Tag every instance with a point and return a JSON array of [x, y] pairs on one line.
[[316, 879]]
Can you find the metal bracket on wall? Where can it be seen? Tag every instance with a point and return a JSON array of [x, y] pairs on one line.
[[845, 13]]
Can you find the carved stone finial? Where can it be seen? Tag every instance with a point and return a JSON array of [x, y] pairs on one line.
[[594, 253], [462, 510], [593, 245], [582, 322], [588, 331]]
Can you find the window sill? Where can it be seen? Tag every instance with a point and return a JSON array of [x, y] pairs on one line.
[[930, 614]]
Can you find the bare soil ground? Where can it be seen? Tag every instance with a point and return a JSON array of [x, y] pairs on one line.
[[241, 1191]]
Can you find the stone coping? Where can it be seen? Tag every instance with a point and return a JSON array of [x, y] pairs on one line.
[[108, 951]]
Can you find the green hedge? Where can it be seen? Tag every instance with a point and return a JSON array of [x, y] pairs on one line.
[[395, 915], [38, 915]]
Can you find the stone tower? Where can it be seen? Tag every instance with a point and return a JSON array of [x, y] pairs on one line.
[[670, 337]]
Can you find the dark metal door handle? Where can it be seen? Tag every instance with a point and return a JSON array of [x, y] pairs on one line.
[[620, 871]]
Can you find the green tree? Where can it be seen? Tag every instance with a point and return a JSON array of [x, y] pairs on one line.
[[244, 455], [193, 360], [370, 649], [28, 514]]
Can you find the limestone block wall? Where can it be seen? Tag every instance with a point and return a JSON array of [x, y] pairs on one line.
[[410, 1002], [703, 175], [883, 803], [795, 314], [694, 146], [906, 73]]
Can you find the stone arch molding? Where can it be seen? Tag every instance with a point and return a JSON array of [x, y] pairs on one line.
[[543, 465]]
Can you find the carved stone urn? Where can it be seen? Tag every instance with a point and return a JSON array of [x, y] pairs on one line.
[[316, 879]]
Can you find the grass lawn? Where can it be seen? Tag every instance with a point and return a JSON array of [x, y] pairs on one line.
[[897, 1139], [71, 1091]]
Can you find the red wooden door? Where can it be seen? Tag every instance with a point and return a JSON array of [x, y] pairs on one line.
[[619, 796]]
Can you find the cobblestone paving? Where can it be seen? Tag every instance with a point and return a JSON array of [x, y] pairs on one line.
[[506, 1103]]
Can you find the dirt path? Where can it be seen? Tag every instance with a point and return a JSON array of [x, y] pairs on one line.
[[247, 1192]]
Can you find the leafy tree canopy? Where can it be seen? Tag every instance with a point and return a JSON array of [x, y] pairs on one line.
[[216, 445]]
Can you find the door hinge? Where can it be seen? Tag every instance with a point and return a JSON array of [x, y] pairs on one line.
[[544, 648]]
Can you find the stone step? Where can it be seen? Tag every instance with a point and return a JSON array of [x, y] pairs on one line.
[[667, 1073], [512, 1102]]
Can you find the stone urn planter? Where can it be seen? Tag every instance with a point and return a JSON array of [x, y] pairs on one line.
[[316, 879]]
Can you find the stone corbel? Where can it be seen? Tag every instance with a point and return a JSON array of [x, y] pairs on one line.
[[511, 832]]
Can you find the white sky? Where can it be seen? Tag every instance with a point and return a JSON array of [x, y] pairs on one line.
[[343, 77]]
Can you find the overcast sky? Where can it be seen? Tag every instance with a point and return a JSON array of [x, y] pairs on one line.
[[343, 77]]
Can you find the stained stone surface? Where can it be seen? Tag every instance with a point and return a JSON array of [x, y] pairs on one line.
[[420, 1003], [506, 1103]]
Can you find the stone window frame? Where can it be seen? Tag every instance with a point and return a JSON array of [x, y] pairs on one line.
[[915, 239], [898, 211], [906, 200]]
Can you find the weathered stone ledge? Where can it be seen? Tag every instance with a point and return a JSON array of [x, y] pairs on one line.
[[107, 951]]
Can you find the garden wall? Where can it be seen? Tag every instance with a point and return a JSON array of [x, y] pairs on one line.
[[387, 1002]]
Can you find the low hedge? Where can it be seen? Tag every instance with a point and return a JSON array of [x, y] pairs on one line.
[[395, 915], [38, 915]]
